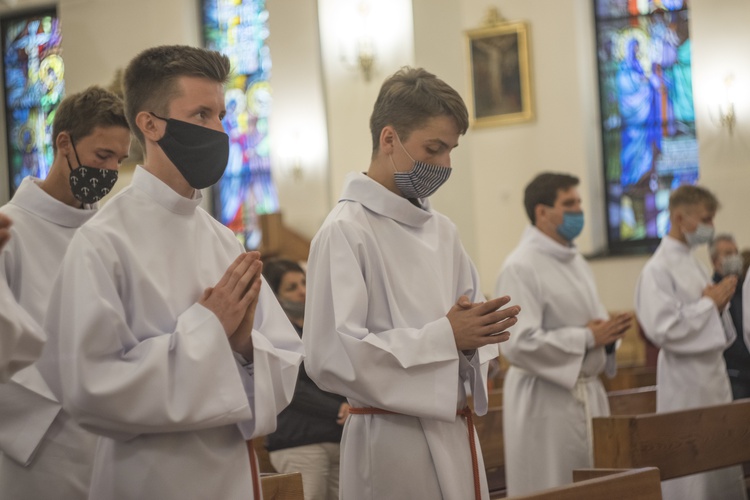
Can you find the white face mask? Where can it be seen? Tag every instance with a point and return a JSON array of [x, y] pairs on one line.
[[731, 264], [702, 235], [422, 180]]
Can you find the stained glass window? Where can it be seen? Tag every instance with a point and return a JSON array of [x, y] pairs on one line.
[[34, 70], [647, 115], [239, 29]]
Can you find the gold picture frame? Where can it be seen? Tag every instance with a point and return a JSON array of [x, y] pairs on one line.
[[500, 80]]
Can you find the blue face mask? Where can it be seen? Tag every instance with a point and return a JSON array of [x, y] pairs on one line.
[[571, 226]]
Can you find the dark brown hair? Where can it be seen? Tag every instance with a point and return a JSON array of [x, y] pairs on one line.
[[689, 195], [79, 114], [274, 271], [543, 191]]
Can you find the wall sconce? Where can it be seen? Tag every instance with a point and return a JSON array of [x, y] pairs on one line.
[[727, 118], [361, 55]]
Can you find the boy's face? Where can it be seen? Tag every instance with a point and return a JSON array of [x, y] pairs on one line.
[[430, 144], [200, 102], [689, 216], [104, 147]]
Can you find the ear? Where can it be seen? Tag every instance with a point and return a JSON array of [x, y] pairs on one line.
[[149, 127], [387, 139], [540, 211], [63, 143]]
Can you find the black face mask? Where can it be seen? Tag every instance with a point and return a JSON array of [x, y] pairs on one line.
[[90, 184], [199, 153]]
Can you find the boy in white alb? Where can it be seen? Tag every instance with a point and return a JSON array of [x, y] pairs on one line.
[[687, 316], [45, 455], [393, 319], [168, 345], [21, 338]]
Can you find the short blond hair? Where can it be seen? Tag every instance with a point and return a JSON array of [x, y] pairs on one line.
[[689, 195]]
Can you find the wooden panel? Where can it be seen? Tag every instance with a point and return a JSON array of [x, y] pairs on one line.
[[630, 377], [678, 443], [640, 484], [489, 429], [633, 401], [586, 474], [282, 486], [264, 461]]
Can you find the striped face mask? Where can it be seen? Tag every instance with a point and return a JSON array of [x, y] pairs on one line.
[[422, 180]]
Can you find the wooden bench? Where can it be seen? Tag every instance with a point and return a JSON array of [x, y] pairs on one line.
[[282, 486], [678, 443], [630, 377], [633, 401], [638, 484]]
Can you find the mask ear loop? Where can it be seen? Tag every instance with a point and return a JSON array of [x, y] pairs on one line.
[[74, 152]]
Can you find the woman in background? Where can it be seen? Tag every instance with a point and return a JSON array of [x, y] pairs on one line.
[[309, 430]]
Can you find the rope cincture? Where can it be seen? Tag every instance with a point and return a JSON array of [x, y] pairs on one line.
[[466, 413], [254, 470]]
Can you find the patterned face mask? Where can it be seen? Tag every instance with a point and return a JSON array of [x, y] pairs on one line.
[[422, 180], [90, 184]]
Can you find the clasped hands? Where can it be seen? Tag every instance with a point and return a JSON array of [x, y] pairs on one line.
[[233, 300], [478, 324]]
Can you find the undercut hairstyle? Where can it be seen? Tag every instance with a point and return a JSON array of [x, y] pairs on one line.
[[150, 80], [274, 271], [690, 196], [409, 98], [543, 191], [79, 114], [713, 251]]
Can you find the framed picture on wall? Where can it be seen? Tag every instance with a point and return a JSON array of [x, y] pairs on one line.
[[500, 83]]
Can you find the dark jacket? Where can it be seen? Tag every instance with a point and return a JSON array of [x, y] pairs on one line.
[[736, 355], [310, 418]]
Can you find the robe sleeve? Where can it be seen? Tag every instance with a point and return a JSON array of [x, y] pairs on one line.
[[21, 338], [409, 370], [556, 355], [680, 327], [120, 384]]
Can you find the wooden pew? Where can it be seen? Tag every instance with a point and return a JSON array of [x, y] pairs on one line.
[[638, 484], [630, 377], [633, 401], [281, 486], [678, 443], [489, 429]]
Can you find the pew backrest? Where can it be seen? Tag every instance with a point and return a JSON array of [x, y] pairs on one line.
[[633, 401]]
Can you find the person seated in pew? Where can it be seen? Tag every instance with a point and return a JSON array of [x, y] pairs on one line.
[[687, 316], [727, 261], [558, 348], [308, 431]]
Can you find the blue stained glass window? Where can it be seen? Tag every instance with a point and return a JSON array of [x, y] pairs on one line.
[[239, 29], [647, 115], [34, 86]]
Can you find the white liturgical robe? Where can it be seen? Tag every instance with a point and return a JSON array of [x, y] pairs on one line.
[[34, 432], [692, 336], [382, 275], [551, 390], [146, 366], [21, 338]]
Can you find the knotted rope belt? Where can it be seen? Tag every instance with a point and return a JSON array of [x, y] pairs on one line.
[[254, 470], [466, 413]]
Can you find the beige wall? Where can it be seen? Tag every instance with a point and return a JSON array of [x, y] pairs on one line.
[[322, 106]]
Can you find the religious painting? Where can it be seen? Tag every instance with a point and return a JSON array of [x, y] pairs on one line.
[[33, 69], [500, 87], [647, 115], [239, 29]]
